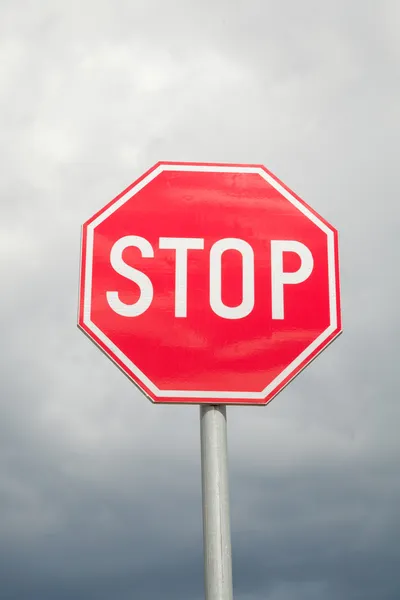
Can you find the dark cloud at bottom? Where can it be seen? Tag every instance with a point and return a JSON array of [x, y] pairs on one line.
[[321, 534]]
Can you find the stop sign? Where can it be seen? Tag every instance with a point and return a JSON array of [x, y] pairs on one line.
[[209, 283]]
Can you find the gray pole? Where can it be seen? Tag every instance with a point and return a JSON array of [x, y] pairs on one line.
[[215, 493]]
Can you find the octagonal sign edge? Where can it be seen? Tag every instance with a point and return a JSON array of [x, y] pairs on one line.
[[129, 368]]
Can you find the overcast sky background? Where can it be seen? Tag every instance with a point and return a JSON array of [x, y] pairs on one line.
[[99, 489]]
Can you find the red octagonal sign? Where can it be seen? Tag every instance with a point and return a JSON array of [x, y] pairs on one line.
[[209, 283]]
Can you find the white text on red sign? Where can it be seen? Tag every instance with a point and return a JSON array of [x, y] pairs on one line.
[[279, 278]]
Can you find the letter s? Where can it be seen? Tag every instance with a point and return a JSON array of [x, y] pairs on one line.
[[144, 283]]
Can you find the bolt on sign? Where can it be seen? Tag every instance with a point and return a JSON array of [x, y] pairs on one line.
[[209, 283]]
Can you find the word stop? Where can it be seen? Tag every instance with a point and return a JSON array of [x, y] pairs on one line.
[[182, 246]]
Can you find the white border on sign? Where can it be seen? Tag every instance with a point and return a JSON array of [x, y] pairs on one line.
[[206, 393]]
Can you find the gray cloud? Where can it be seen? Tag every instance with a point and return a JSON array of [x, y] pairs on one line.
[[100, 490]]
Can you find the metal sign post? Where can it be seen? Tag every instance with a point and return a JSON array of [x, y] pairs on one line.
[[215, 495]]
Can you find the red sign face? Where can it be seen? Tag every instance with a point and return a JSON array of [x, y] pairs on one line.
[[209, 283]]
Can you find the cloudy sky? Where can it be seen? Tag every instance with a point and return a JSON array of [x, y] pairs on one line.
[[99, 489]]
